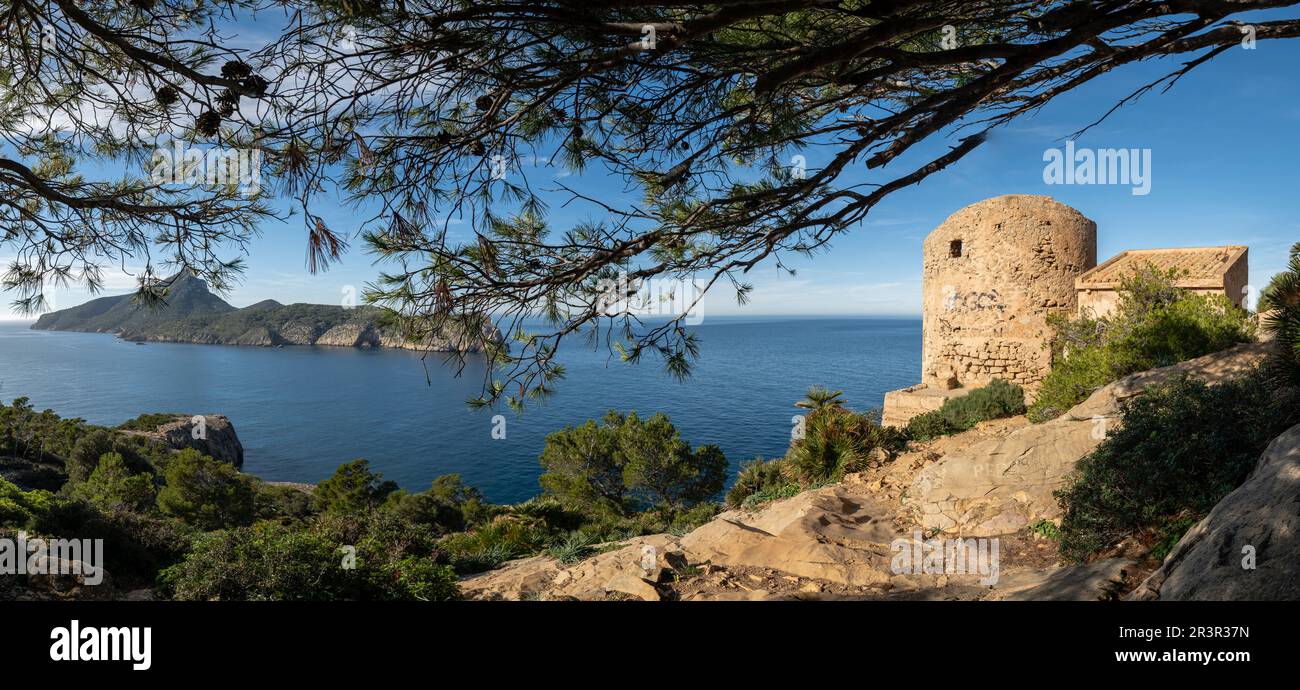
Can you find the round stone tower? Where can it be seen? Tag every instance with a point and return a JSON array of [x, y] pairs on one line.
[[992, 274]]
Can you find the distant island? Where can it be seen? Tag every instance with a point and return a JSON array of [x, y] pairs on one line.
[[192, 314]]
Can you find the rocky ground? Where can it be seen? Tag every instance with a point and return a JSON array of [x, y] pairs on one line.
[[994, 481]]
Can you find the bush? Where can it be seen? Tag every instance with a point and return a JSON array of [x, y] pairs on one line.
[[283, 503], [37, 436], [505, 538], [150, 422], [353, 488], [662, 470], [757, 476], [270, 561], [448, 505], [997, 399], [836, 441], [1180, 448], [206, 493], [112, 487], [1155, 325], [573, 547], [18, 508], [135, 546], [265, 562], [626, 464], [1281, 301]]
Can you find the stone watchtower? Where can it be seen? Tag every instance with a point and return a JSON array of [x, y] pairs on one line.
[[992, 273]]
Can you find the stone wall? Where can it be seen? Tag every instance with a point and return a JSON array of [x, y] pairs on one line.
[[992, 274]]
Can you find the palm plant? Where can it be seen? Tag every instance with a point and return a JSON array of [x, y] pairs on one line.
[[820, 398], [1280, 305]]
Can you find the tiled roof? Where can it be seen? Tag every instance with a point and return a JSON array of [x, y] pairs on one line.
[[1201, 267]]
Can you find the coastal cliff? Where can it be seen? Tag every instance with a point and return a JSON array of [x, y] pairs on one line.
[[193, 314]]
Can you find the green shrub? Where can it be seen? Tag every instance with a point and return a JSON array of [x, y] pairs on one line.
[[420, 579], [267, 561], [1154, 325], [206, 493], [352, 488], [1179, 449], [112, 487], [136, 546], [447, 506], [150, 421], [270, 561], [1046, 528], [997, 399], [283, 503], [835, 442], [505, 538], [573, 547], [625, 464], [773, 493], [18, 508], [1281, 302], [757, 476]]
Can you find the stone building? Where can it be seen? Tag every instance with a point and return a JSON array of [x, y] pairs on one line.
[[1211, 270], [992, 273]]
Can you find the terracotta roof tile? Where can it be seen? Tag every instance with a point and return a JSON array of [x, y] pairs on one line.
[[1201, 266]]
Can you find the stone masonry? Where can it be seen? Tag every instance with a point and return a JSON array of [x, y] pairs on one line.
[[992, 273]]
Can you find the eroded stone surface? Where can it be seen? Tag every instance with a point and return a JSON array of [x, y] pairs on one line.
[[1248, 547]]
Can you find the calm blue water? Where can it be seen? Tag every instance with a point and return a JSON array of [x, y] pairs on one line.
[[301, 411]]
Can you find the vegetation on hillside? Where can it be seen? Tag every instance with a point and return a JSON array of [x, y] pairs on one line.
[[196, 528], [1177, 451], [1155, 324], [1280, 305], [1181, 447], [997, 399], [830, 442]]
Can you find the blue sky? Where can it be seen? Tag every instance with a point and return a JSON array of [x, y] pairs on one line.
[[1224, 151]]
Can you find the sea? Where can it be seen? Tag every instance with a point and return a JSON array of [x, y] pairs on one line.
[[302, 411]]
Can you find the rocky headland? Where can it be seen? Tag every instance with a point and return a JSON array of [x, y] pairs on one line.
[[192, 314]]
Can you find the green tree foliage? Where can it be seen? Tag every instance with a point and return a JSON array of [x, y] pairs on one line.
[[703, 119], [1280, 302], [206, 493], [19, 508], [836, 441], [38, 436], [1154, 325], [760, 478], [113, 487], [625, 463], [269, 561], [661, 468], [582, 465], [447, 506], [819, 397], [997, 399], [1178, 450], [353, 488], [136, 545]]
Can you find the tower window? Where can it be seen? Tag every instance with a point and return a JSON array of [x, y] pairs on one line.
[[954, 249]]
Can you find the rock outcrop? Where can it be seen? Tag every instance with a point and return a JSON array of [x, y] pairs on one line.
[[844, 541], [1248, 547], [1005, 484], [212, 435]]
